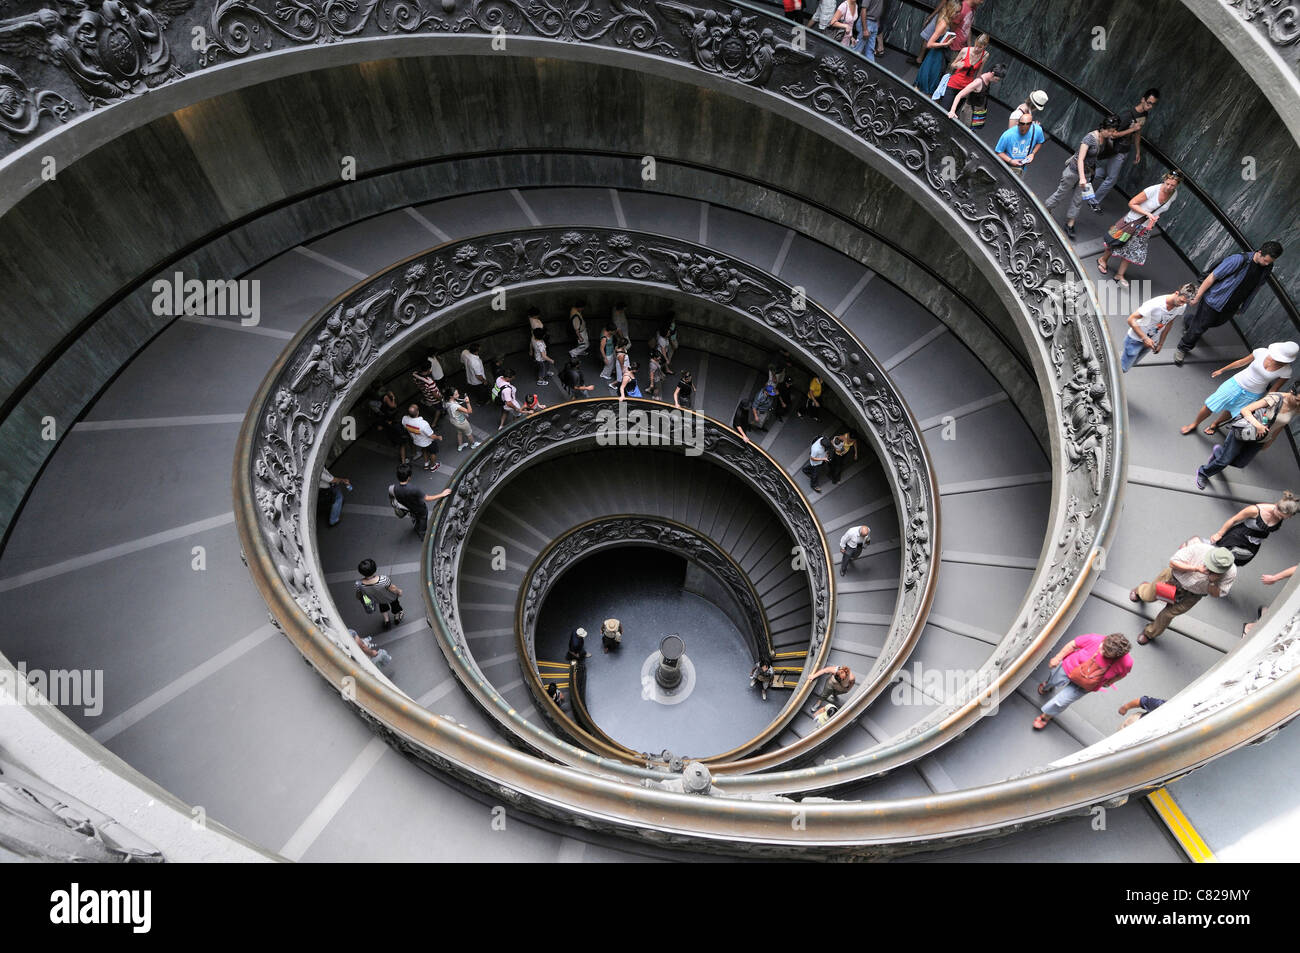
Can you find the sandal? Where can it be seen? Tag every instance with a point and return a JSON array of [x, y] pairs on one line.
[[1121, 281], [1042, 688], [1101, 266], [1186, 430], [1211, 430], [1041, 722]]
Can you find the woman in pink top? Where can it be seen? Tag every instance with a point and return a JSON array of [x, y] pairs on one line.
[[1086, 664]]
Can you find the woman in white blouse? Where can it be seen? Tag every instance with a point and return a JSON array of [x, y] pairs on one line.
[[1129, 237]]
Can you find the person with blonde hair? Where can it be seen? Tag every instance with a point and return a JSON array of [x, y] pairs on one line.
[[1130, 237], [934, 53], [965, 67], [1246, 531]]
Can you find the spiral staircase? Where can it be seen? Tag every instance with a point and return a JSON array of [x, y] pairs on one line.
[[994, 508]]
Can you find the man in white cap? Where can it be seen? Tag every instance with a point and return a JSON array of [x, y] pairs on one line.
[[1033, 103], [1197, 570], [578, 645]]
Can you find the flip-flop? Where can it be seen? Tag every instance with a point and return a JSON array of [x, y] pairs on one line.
[[1042, 688], [1186, 430], [1041, 722], [1101, 267], [1121, 281], [1210, 431]]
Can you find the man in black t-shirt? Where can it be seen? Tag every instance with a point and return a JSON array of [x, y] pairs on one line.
[[574, 383], [415, 499], [1129, 139]]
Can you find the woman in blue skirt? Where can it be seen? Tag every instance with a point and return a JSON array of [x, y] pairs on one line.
[[937, 52], [1265, 370]]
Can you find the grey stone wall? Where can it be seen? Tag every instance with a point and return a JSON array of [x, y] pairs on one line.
[[1212, 120]]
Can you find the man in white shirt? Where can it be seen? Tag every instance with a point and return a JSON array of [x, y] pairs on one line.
[[1151, 323], [1197, 570], [818, 457], [422, 436], [475, 379], [851, 545], [333, 487]]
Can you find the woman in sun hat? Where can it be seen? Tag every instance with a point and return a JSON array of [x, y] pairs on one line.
[[1265, 370], [1033, 103]]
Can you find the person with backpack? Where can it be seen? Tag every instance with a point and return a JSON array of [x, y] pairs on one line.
[[1225, 292], [764, 404], [1085, 664], [581, 341], [506, 397], [407, 499], [376, 593]]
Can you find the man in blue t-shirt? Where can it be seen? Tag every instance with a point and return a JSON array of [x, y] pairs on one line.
[[1018, 146]]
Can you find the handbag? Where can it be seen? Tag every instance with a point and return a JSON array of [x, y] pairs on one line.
[[1167, 592], [1121, 231], [1244, 430], [1090, 675]]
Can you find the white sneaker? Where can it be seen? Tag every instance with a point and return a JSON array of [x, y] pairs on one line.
[[461, 447], [383, 658], [476, 443]]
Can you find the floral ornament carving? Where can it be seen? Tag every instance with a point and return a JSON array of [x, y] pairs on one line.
[[108, 48]]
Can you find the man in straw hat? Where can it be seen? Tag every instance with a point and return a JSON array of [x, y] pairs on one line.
[[1197, 570]]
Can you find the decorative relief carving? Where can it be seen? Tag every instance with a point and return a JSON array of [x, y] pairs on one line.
[[107, 48], [1279, 20]]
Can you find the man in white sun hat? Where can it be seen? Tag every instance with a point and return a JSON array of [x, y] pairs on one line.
[[578, 645]]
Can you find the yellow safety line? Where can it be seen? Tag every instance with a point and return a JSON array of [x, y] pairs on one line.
[[1188, 839], [553, 674], [786, 668], [563, 665], [790, 655]]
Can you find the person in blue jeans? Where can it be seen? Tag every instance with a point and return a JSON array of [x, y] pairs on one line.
[[1095, 661], [330, 484], [1268, 416], [1150, 324], [869, 12]]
